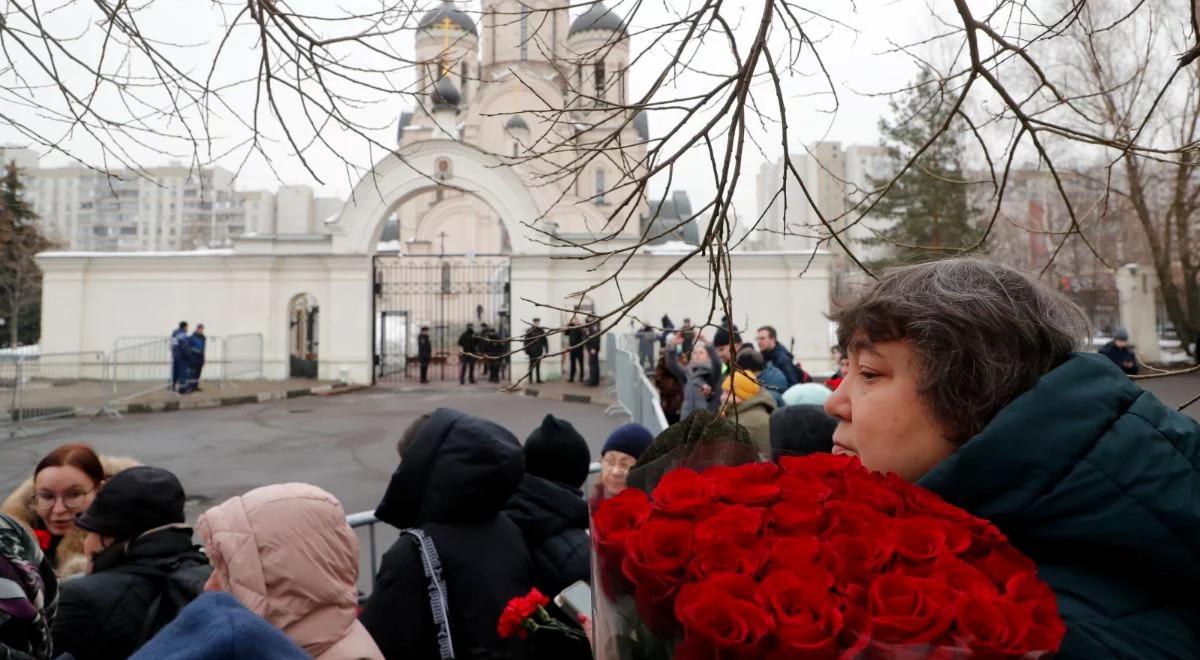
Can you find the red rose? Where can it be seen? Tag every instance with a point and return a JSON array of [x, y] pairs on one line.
[[656, 554], [872, 491], [736, 523], [918, 501], [43, 539], [805, 611], [821, 464], [616, 517], [727, 557], [909, 610], [803, 488], [797, 518], [682, 491], [920, 540], [1003, 563], [960, 576], [861, 558], [720, 613], [1048, 629], [752, 483], [994, 627], [849, 518]]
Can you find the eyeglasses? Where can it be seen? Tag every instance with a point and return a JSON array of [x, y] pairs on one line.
[[617, 465], [74, 500]]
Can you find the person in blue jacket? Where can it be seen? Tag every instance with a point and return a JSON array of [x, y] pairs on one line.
[[195, 357], [217, 627], [965, 378], [179, 364]]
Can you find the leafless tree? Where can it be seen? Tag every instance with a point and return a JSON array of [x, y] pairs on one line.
[[106, 90]]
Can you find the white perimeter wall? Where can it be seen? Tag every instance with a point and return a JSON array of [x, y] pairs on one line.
[[90, 301]]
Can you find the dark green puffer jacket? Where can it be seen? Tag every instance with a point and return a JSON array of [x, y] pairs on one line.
[[1096, 480]]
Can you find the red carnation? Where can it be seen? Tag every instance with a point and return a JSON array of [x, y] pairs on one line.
[[43, 539]]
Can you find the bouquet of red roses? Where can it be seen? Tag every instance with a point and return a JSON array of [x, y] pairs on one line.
[[810, 557]]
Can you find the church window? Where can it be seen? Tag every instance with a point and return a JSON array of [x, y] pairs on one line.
[[600, 186], [491, 26], [524, 34], [463, 78], [514, 149], [599, 82]]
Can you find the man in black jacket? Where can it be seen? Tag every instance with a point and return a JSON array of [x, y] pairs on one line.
[[575, 340], [1120, 352], [550, 510], [536, 346], [455, 475], [469, 346], [593, 351], [774, 352], [424, 352], [144, 567]]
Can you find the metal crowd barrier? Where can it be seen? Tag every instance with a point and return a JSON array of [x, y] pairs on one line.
[[135, 366], [636, 395], [367, 519]]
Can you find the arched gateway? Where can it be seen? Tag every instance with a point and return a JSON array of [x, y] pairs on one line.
[[444, 291]]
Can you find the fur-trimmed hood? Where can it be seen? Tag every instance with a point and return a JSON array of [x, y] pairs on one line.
[[69, 558]]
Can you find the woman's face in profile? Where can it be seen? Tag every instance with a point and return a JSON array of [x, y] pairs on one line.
[[881, 417]]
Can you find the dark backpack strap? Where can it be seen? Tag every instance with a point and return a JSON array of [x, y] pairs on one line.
[[439, 604]]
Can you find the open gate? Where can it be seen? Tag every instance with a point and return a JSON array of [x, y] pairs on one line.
[[444, 293]]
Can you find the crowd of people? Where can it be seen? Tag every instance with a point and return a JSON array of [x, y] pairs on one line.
[[489, 345], [187, 358], [106, 567], [962, 376]]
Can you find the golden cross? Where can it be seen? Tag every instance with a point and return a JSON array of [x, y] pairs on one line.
[[446, 25]]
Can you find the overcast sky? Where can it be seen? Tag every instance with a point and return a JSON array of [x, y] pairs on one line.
[[853, 55]]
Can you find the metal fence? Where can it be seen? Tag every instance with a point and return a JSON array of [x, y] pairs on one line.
[[38, 386], [27, 382], [636, 395], [378, 539]]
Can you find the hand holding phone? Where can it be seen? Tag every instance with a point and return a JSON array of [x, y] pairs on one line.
[[575, 600]]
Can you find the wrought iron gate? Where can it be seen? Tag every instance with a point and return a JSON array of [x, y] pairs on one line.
[[443, 293]]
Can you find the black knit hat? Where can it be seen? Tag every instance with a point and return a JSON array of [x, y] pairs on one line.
[[555, 451], [134, 501]]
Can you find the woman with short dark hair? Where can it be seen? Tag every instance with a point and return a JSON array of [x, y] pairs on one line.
[[964, 378]]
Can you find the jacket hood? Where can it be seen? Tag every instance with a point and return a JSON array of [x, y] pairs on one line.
[[216, 627], [762, 399], [69, 558], [542, 508], [1096, 480], [286, 553], [459, 468]]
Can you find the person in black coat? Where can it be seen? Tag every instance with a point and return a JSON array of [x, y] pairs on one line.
[[424, 352], [593, 351], [469, 344], [536, 346], [455, 475], [1121, 353], [144, 567], [552, 514], [575, 339], [494, 349]]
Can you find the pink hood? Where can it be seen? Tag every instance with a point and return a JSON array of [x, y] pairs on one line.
[[286, 553]]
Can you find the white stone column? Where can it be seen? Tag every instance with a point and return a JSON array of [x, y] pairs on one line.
[[1137, 291]]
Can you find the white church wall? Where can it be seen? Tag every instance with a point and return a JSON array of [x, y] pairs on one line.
[[92, 300]]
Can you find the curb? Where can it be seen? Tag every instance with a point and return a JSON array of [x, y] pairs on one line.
[[566, 397], [222, 402]]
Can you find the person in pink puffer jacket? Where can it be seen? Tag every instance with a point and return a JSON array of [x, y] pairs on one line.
[[286, 553]]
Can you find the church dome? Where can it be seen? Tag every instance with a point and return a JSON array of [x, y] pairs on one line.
[[458, 17], [446, 94], [515, 123], [598, 17]]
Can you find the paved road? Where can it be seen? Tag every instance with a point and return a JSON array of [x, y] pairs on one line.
[[344, 444]]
